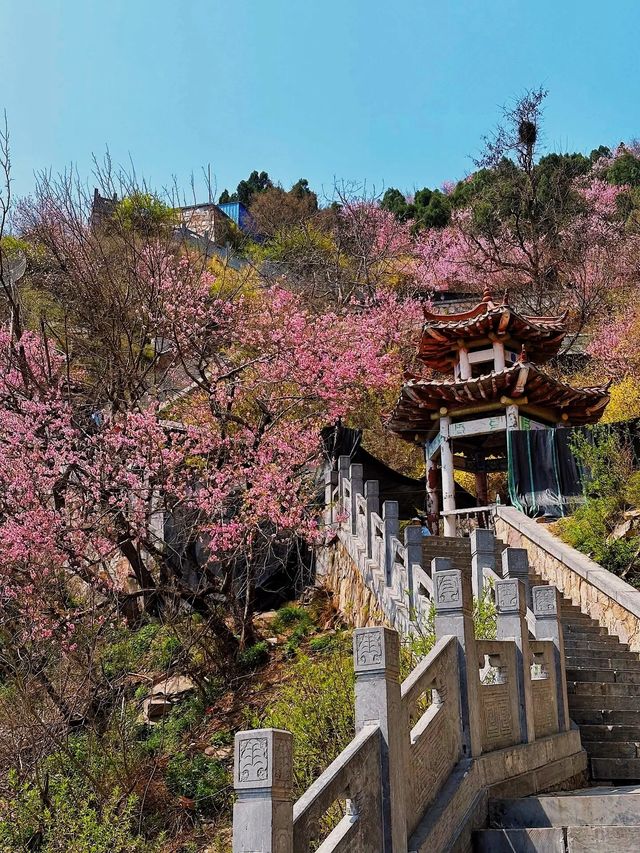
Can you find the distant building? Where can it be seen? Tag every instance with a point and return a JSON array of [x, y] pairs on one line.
[[102, 209], [236, 211], [207, 220]]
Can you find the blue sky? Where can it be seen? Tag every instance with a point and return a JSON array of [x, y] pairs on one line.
[[392, 93]]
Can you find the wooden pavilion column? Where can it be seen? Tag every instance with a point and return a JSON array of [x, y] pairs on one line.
[[448, 482], [482, 488], [465, 364], [498, 356], [433, 506]]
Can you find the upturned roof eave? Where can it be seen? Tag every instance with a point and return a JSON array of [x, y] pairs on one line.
[[421, 398]]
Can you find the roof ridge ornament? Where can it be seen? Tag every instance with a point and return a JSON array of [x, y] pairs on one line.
[[487, 295]]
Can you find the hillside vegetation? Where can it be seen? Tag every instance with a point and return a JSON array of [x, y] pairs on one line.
[[161, 405]]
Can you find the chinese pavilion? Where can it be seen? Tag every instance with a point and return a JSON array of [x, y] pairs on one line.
[[493, 353]]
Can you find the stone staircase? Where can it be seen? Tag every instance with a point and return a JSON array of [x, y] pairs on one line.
[[603, 681], [457, 550], [603, 678], [594, 820]]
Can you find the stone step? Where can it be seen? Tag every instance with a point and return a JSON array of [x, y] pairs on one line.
[[576, 839], [599, 644], [603, 716], [598, 654], [616, 769], [588, 807], [609, 733], [610, 703], [603, 676], [575, 630], [584, 661], [547, 840], [612, 749], [579, 621], [604, 689], [603, 839]]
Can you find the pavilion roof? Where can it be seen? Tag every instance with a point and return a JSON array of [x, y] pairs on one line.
[[488, 321], [521, 383]]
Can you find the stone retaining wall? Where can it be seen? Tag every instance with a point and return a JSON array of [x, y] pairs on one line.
[[604, 596], [349, 593]]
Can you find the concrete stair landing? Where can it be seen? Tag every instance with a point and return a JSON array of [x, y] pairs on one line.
[[595, 819]]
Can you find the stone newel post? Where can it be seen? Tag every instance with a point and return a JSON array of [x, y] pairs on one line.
[[454, 616], [546, 609], [483, 555], [515, 564], [372, 497], [357, 488], [376, 657], [330, 482], [390, 516], [413, 545], [263, 779], [511, 621]]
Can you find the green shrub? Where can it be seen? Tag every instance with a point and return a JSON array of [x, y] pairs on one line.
[[165, 735], [484, 616], [204, 780], [223, 738], [293, 643], [323, 643], [254, 656], [289, 616], [69, 820], [317, 706], [128, 651], [165, 649]]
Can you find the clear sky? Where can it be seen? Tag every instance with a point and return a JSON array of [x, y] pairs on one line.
[[394, 93]]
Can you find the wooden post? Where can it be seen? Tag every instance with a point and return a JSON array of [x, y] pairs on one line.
[[448, 482], [513, 418], [482, 488], [465, 364], [433, 506], [498, 356]]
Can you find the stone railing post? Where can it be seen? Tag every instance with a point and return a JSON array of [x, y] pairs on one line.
[[356, 475], [483, 555], [515, 564], [376, 657], [263, 780], [546, 609], [330, 482], [343, 474], [454, 616], [390, 513], [413, 546], [372, 496], [511, 622]]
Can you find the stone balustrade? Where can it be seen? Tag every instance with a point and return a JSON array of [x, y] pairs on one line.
[[599, 593], [426, 752], [395, 585]]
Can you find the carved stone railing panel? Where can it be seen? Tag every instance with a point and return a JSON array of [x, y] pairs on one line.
[[435, 738], [354, 776], [500, 725], [543, 685]]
